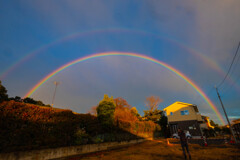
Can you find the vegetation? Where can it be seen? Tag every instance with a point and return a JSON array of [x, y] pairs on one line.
[[4, 97], [152, 102], [105, 112], [124, 111], [3, 93], [155, 115], [30, 124]]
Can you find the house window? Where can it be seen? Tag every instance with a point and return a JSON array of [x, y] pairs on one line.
[[171, 113], [185, 112]]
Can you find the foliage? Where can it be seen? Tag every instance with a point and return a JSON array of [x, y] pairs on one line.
[[139, 128], [152, 102], [123, 110], [213, 123], [3, 93], [226, 130], [154, 115], [16, 99], [209, 132], [32, 101], [29, 126], [4, 97], [163, 122], [135, 112], [121, 103], [81, 136], [93, 110], [105, 112]]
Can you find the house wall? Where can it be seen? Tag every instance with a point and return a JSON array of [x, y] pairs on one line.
[[192, 126], [193, 115]]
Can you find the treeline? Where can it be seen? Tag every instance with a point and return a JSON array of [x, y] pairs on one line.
[[26, 126], [4, 97]]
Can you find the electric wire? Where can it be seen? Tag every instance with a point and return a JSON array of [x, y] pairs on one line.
[[230, 66], [236, 79]]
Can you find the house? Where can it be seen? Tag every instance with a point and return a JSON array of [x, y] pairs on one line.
[[236, 128], [185, 116]]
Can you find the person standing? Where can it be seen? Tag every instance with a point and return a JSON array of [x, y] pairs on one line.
[[184, 143]]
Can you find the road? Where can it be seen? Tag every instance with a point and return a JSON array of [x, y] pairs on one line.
[[160, 150]]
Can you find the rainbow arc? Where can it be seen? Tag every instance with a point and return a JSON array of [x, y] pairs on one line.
[[165, 65]]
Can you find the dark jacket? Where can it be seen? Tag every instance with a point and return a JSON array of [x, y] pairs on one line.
[[182, 136]]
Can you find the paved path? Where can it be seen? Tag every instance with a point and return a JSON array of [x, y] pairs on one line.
[[160, 150]]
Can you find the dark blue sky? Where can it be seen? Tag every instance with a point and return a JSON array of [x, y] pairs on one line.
[[197, 38]]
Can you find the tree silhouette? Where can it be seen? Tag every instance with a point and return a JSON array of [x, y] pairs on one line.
[[3, 93], [32, 101], [16, 99]]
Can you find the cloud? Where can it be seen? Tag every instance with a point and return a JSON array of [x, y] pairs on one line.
[[211, 27], [234, 117]]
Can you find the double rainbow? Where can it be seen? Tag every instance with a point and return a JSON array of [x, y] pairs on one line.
[[167, 66]]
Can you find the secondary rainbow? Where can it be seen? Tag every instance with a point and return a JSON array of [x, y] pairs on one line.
[[72, 36], [167, 66]]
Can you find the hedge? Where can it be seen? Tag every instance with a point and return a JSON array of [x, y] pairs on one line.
[[26, 126]]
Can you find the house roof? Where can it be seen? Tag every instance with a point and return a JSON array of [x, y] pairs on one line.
[[236, 121], [178, 105]]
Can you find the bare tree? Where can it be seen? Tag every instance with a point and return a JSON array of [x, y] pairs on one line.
[[152, 102], [93, 110]]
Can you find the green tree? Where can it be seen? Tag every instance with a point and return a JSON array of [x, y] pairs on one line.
[[105, 112], [163, 122], [3, 93]]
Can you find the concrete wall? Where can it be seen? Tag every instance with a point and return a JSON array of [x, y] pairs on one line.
[[53, 153]]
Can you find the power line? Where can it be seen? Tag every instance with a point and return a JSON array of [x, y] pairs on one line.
[[235, 81], [230, 66], [226, 90], [236, 64]]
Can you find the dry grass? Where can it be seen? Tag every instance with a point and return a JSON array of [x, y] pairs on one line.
[[159, 150]]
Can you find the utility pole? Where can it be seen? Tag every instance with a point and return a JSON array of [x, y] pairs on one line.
[[226, 116], [56, 84]]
